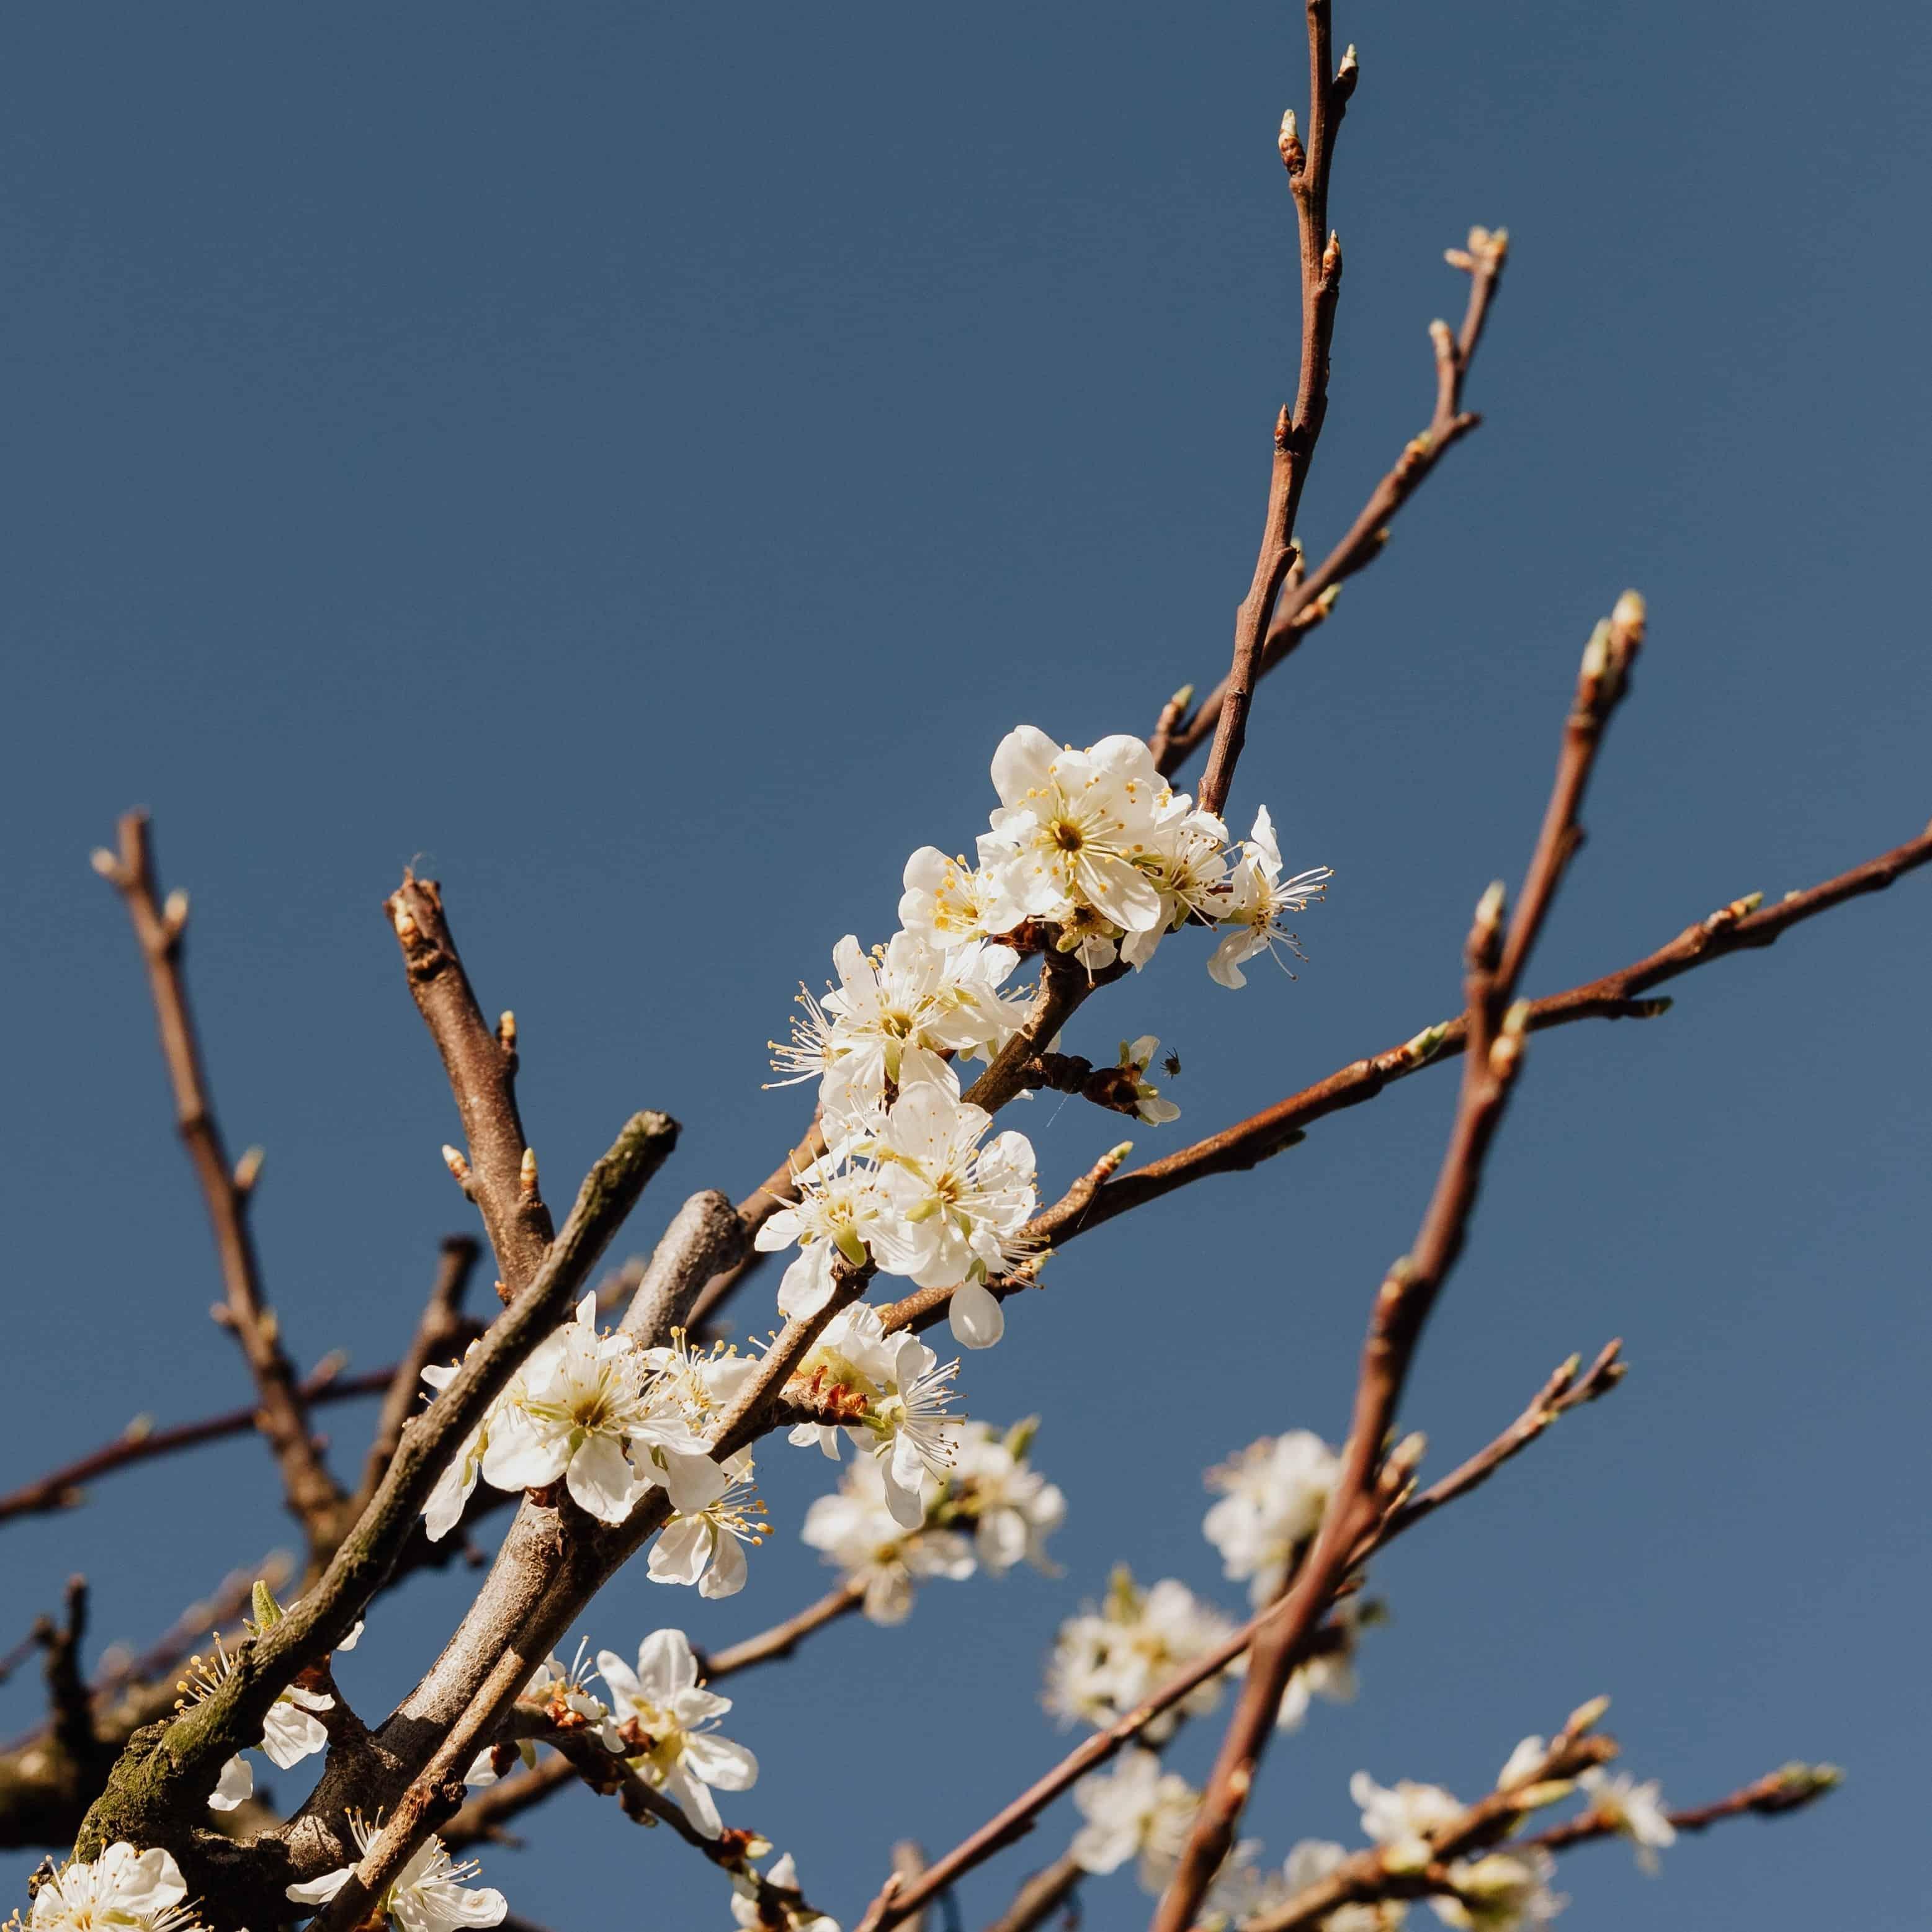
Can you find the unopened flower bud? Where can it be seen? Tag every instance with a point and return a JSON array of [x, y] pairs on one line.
[[526, 1175], [104, 862], [1293, 157], [459, 1168], [1586, 1717]]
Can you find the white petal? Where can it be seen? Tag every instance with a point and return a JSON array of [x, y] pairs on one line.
[[665, 1665], [237, 1782], [726, 1577], [975, 1315], [680, 1553], [722, 1764], [601, 1481]]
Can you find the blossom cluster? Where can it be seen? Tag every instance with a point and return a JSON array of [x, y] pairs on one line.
[[1137, 1811], [1095, 845], [992, 1511], [611, 1421], [1090, 851]]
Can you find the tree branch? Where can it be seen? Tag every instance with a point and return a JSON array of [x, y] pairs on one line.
[[312, 1495], [481, 1060], [1297, 431], [1495, 1034], [1306, 599], [1007, 1826]]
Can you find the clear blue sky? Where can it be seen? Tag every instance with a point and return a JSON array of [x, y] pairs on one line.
[[637, 462]]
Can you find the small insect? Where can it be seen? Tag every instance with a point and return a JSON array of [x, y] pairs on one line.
[[1171, 1060]]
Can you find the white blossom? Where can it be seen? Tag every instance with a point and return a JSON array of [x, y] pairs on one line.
[[903, 1391], [1134, 1810], [854, 1529], [581, 1402], [430, 1894], [1310, 1862], [1256, 899], [121, 1890], [289, 1732], [1150, 1103], [1186, 863], [1636, 1810], [1072, 830], [1500, 1892], [716, 1515], [946, 900], [838, 1209], [1013, 1507], [667, 1719], [745, 1910], [1400, 1817], [1273, 1494], [457, 1483], [1105, 1661], [955, 1210], [898, 1015]]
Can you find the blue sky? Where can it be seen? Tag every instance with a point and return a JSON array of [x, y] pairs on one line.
[[636, 464]]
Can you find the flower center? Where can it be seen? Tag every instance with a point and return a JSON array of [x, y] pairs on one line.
[[1067, 835]]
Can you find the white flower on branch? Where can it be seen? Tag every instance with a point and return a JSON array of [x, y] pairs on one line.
[[1272, 1494], [1312, 1861], [897, 1394], [1187, 862], [666, 1720], [430, 1894], [581, 1403], [122, 1890], [289, 1732], [1072, 830], [854, 1529], [717, 1513], [898, 1014], [1636, 1810], [1400, 1817], [838, 1207], [1500, 1892], [956, 1210], [1150, 1103], [946, 901], [1257, 898], [1106, 1661], [1134, 1810], [701, 1384], [1013, 1507], [747, 1912], [457, 1483]]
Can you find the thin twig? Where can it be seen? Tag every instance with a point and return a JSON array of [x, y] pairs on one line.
[[500, 1172], [1041, 1896], [781, 1640], [1788, 1789], [60, 1489], [1495, 1034], [1297, 428], [313, 1495], [1306, 600]]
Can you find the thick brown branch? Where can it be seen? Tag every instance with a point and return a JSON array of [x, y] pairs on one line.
[[313, 1495], [481, 1060]]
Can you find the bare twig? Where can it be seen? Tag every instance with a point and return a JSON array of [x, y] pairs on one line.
[[60, 1489], [1495, 1034], [781, 1640], [1041, 1896], [312, 1494], [1789, 1788], [1297, 428], [706, 1237], [480, 1060], [1742, 925], [1304, 600]]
